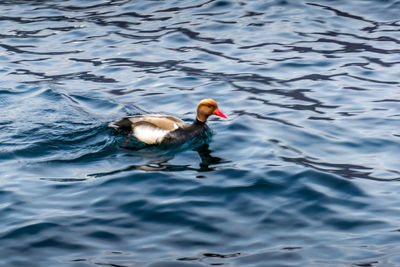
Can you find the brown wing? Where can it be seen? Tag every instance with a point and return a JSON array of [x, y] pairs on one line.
[[164, 122]]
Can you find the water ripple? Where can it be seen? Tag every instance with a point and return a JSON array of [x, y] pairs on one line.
[[304, 172]]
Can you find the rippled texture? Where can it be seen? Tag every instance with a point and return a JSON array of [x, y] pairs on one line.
[[304, 173]]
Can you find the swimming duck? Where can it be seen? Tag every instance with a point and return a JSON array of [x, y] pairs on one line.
[[155, 129]]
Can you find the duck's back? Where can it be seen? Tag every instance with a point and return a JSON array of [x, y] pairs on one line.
[[164, 122]]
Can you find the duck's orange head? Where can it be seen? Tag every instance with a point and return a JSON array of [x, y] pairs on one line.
[[206, 108]]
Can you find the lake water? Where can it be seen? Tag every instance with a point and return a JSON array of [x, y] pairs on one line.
[[305, 172]]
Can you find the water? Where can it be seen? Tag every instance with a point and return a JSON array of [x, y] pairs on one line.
[[304, 173]]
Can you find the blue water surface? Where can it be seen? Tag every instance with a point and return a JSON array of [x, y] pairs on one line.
[[305, 172]]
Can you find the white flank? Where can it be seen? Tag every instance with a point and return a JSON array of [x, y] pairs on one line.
[[149, 135]]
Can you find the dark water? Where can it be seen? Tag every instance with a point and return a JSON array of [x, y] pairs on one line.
[[304, 173]]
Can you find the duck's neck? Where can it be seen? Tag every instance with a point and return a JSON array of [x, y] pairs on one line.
[[201, 117], [199, 122]]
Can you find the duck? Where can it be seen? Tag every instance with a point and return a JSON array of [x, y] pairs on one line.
[[155, 129]]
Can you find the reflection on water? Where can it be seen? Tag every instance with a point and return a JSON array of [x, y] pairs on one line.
[[159, 162], [304, 173]]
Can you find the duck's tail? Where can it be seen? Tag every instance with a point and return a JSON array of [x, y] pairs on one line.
[[125, 125]]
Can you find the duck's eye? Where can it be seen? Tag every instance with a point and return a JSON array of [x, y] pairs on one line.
[[210, 106]]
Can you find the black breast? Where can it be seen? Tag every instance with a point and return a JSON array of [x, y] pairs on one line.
[[182, 135]]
